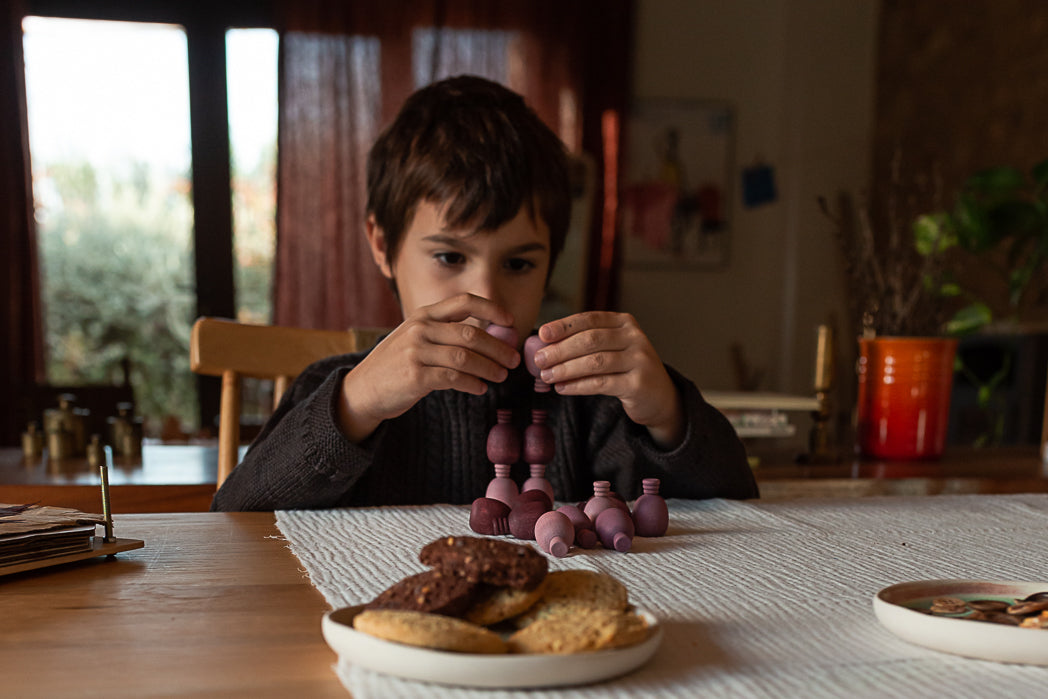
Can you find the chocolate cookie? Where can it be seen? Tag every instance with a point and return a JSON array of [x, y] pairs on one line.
[[432, 591], [490, 561]]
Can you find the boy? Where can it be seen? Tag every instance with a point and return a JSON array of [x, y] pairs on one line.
[[468, 206]]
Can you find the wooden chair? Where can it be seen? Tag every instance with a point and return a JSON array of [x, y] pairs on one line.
[[234, 350]]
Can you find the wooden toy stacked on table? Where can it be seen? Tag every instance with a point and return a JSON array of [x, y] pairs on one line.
[[528, 513]]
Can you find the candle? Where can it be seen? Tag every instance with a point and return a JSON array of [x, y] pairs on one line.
[[824, 359]]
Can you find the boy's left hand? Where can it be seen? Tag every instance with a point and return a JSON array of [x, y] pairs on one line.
[[607, 353]]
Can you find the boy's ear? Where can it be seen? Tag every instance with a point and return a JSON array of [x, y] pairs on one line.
[[377, 243]]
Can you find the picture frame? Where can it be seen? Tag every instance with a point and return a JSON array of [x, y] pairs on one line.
[[677, 193]]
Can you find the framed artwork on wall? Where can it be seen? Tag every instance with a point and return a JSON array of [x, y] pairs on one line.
[[677, 185]]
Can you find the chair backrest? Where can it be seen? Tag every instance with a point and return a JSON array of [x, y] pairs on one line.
[[234, 350]]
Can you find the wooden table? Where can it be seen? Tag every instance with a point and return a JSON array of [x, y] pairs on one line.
[[959, 471], [166, 478], [181, 478], [214, 605]]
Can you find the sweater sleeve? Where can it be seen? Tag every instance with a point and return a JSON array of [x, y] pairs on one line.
[[301, 459], [709, 463]]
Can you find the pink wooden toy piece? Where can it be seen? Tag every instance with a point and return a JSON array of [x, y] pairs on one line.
[[555, 533], [602, 499], [524, 515], [538, 452], [532, 345], [489, 516], [585, 534], [615, 529], [650, 513], [504, 333], [503, 449]]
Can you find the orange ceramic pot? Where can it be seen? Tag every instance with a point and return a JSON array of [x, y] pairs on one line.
[[904, 396]]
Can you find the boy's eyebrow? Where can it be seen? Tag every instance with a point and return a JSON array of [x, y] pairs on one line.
[[463, 242]]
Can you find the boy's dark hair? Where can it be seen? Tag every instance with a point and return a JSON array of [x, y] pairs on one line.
[[475, 146]]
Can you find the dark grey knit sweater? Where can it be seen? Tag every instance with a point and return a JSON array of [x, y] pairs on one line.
[[436, 451]]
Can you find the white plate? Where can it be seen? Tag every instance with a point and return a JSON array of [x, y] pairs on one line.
[[896, 607], [477, 670]]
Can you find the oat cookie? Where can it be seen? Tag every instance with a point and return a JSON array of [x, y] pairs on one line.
[[594, 630], [431, 591], [428, 631], [573, 592], [495, 604], [490, 561]]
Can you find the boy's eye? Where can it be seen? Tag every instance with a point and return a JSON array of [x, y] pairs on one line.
[[450, 258], [519, 264]]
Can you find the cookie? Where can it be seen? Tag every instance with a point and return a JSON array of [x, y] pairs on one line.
[[491, 561], [495, 604], [431, 591], [572, 592], [595, 630], [428, 631]]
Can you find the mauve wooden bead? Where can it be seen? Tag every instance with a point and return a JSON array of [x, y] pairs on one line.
[[504, 333], [651, 516], [585, 534], [532, 345], [523, 516], [539, 446], [538, 481], [536, 495], [555, 533], [502, 487], [489, 516], [602, 499], [503, 439], [615, 529]]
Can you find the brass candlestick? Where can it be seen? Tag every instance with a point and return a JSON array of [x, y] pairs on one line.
[[107, 510], [819, 448]]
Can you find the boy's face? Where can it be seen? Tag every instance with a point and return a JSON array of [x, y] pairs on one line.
[[508, 265]]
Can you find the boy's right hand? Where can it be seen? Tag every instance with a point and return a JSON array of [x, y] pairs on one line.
[[432, 350]]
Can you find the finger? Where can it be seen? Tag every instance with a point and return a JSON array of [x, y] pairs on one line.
[[460, 359], [461, 307], [582, 344], [473, 339], [588, 365], [614, 385], [444, 378], [557, 330]]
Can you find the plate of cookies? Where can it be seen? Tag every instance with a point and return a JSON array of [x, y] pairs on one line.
[[990, 620], [488, 613]]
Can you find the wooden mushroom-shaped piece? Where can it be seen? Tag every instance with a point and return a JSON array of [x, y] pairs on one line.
[[489, 516], [615, 529], [555, 533]]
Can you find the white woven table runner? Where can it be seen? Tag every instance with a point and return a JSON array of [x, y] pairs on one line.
[[758, 599]]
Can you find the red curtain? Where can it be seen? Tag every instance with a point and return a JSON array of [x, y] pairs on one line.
[[345, 68], [21, 351]]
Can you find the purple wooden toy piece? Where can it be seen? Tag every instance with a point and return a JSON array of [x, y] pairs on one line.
[[523, 516], [650, 514], [536, 495], [602, 499], [555, 533], [503, 446], [504, 333], [489, 516], [502, 487], [615, 529], [585, 534], [532, 345]]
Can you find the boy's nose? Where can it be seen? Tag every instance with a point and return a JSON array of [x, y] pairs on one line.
[[485, 284]]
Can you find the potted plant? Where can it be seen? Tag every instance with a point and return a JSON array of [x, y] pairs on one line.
[[911, 305]]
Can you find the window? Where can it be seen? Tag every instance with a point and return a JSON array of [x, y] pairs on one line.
[[133, 246], [108, 106]]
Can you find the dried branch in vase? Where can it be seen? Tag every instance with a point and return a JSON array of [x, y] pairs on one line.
[[893, 288]]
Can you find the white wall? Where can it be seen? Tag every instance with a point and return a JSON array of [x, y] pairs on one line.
[[800, 75]]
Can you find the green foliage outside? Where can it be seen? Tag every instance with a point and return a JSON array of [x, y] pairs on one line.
[[117, 267]]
